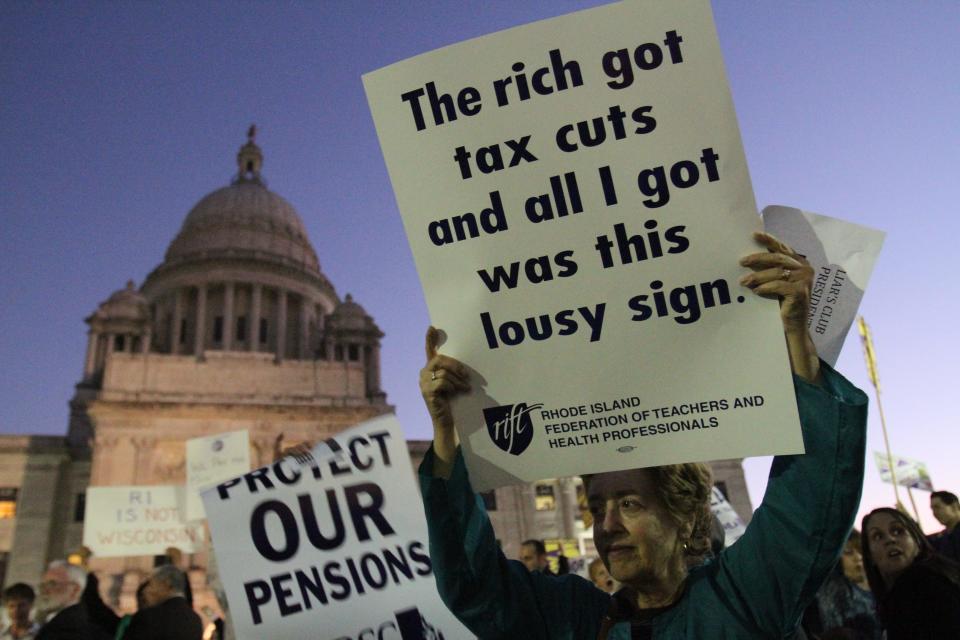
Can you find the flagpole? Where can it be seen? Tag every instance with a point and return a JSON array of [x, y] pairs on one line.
[[871, 359], [916, 512]]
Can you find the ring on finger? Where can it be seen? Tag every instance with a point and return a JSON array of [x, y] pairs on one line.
[[786, 274], [433, 375]]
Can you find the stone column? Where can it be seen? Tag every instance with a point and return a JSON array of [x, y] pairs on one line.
[[145, 342], [128, 342], [90, 362], [177, 321], [254, 332], [568, 506], [200, 330], [281, 324], [304, 329], [264, 450], [228, 316], [142, 471]]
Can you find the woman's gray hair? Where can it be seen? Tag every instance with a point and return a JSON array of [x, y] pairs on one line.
[[75, 574], [172, 577]]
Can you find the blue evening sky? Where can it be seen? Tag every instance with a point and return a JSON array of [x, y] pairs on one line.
[[115, 118]]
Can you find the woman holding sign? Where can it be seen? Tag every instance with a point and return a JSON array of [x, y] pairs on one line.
[[650, 524]]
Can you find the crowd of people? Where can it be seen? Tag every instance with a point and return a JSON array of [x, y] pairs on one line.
[[799, 570], [67, 606]]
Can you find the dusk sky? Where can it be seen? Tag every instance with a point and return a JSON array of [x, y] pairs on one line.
[[116, 118]]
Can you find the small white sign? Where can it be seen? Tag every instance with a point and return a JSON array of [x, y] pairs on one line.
[[733, 525], [910, 473], [332, 545], [213, 459], [842, 255], [138, 521]]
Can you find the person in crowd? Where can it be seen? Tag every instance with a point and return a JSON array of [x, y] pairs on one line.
[[844, 606], [648, 521], [946, 509], [63, 616], [533, 555], [166, 615], [917, 589], [18, 602], [600, 577]]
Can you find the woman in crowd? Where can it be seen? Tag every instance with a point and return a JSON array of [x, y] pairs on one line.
[[844, 606], [917, 589], [650, 524]]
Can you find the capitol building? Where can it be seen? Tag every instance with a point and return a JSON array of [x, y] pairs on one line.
[[237, 329]]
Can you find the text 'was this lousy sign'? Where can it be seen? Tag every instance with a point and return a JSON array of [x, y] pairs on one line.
[[330, 545], [576, 198]]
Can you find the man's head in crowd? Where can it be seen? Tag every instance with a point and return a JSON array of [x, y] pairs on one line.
[[18, 601], [852, 560], [533, 555], [650, 523], [600, 576], [946, 508], [165, 582], [61, 586]]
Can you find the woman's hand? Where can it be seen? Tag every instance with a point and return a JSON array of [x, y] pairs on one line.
[[784, 274], [441, 379]]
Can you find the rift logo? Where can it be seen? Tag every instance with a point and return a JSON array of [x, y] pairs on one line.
[[510, 426]]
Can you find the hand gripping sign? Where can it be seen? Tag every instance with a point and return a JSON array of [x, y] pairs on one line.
[[330, 546], [576, 199], [843, 255]]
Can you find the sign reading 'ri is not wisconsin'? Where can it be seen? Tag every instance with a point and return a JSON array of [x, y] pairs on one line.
[[576, 198]]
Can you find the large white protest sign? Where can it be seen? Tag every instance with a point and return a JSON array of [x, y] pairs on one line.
[[843, 255], [212, 459], [335, 547], [138, 521], [576, 199], [910, 473], [733, 525]]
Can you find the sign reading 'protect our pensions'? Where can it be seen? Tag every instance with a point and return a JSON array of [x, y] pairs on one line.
[[332, 547], [576, 198]]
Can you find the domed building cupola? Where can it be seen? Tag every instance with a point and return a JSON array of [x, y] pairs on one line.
[[352, 335], [249, 159], [120, 323]]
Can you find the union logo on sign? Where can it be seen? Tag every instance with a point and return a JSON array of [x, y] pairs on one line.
[[510, 426]]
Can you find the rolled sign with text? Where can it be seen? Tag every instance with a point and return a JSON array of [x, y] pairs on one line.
[[576, 199], [330, 545], [138, 521], [842, 255]]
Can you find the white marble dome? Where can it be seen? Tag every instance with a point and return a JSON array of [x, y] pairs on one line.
[[244, 220]]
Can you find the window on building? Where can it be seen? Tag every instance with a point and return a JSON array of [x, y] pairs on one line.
[[242, 328], [119, 342], [489, 499], [353, 352], [8, 502], [263, 330], [136, 344], [218, 329], [338, 353], [80, 507], [183, 331], [545, 500]]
